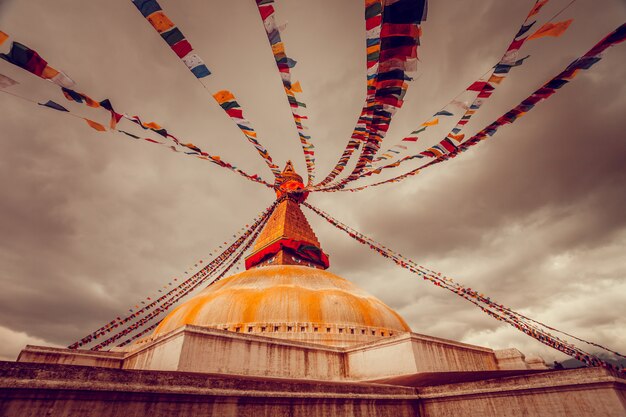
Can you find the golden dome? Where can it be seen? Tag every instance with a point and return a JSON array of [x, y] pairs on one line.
[[291, 302]]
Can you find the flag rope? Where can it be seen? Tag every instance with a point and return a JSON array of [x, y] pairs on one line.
[[485, 303], [184, 287]]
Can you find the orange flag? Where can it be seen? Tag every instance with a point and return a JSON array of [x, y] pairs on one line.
[[49, 72], [160, 21], [223, 96], [95, 125], [433, 122], [537, 7], [496, 79], [3, 37], [296, 88], [458, 138], [551, 29], [152, 125]]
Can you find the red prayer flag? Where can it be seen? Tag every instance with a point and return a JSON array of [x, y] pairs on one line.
[[399, 29], [182, 48], [36, 64], [373, 22], [238, 113], [266, 11], [478, 86]]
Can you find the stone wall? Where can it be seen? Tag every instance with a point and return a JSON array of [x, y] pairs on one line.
[[414, 353], [54, 390], [30, 389], [200, 349], [584, 392]]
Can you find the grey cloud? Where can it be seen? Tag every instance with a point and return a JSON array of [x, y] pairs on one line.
[[92, 223]]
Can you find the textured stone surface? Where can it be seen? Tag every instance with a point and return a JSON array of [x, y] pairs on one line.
[[72, 391], [585, 392], [199, 349]]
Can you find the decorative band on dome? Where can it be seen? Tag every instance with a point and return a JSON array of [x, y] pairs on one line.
[[305, 250]]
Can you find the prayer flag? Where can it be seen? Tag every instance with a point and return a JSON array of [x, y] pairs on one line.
[[182, 48], [129, 134], [54, 106], [479, 86], [296, 88], [537, 7], [3, 37], [72, 95], [95, 125], [443, 113], [201, 71], [223, 96], [172, 37], [49, 73], [6, 81], [147, 7], [525, 29], [432, 122], [458, 138], [551, 29], [160, 21], [496, 79]]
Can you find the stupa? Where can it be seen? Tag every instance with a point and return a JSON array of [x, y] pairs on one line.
[[288, 338], [286, 291]]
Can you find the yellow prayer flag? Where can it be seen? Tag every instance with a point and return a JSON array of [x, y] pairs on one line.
[[249, 133], [223, 96], [95, 125], [551, 29], [278, 48], [433, 122], [49, 72], [296, 87], [496, 79]]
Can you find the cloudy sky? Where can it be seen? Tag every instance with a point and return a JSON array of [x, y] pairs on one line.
[[93, 222]]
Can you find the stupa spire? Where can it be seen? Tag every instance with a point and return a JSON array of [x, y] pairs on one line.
[[287, 238]]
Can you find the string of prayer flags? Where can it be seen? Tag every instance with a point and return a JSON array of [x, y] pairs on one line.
[[197, 152], [551, 29], [28, 59], [6, 82], [165, 301], [584, 62], [171, 34], [284, 65], [229, 104], [392, 37], [162, 304], [484, 89], [532, 328]]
